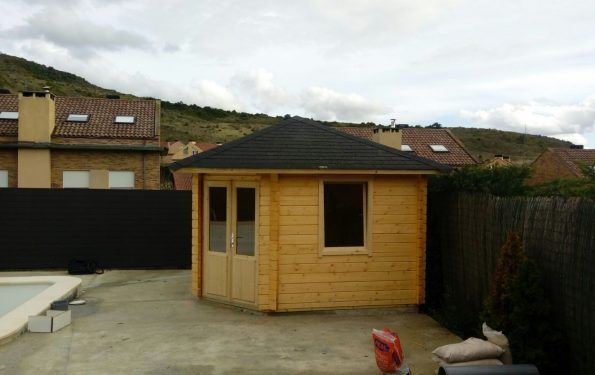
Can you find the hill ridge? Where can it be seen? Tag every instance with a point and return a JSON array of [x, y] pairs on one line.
[[206, 124]]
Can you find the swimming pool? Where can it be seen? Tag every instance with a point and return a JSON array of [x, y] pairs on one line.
[[21, 297]]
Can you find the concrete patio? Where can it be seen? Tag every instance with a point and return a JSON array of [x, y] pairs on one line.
[[147, 322]]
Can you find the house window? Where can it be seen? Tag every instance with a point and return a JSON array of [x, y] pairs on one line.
[[9, 115], [121, 180], [406, 148], [3, 179], [76, 117], [438, 148], [75, 179], [124, 120], [344, 216]]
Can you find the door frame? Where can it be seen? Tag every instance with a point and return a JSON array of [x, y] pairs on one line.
[[231, 227]]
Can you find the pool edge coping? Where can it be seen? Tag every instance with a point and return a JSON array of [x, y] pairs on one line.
[[14, 322]]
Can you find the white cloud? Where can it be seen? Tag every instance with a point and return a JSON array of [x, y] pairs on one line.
[[214, 95], [326, 104], [259, 90], [67, 28], [565, 121]]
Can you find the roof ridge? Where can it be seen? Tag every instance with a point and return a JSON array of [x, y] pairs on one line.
[[458, 141], [377, 145], [217, 150], [104, 98]]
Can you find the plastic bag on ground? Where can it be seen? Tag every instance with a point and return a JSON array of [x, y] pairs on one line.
[[388, 352]]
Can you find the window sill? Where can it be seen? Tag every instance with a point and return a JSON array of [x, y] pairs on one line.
[[356, 250]]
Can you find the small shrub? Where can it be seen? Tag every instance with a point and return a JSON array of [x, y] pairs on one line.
[[517, 305]]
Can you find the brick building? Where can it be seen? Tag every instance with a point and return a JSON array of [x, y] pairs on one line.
[[557, 163], [61, 142], [439, 145]]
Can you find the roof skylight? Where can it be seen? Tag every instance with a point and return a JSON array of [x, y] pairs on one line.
[[406, 148], [438, 148], [9, 115], [77, 117], [124, 120]]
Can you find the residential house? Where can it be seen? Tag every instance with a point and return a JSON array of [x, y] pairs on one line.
[[439, 145], [184, 181], [560, 163], [497, 161], [171, 148], [301, 216], [76, 142]]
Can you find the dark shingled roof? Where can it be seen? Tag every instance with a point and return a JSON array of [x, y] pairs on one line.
[[298, 143]]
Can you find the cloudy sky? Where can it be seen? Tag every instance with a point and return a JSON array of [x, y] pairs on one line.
[[510, 65]]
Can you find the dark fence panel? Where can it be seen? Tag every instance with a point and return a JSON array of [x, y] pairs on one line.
[[465, 234], [45, 228]]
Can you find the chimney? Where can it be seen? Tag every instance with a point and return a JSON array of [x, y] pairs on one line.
[[388, 136], [37, 117]]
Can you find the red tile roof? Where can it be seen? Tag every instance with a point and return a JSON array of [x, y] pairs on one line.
[[575, 158], [8, 103], [182, 181], [420, 139], [101, 120], [206, 146]]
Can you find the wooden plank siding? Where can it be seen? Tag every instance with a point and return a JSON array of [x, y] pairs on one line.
[[292, 273], [391, 275], [196, 235]]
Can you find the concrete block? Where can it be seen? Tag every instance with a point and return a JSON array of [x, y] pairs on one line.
[[52, 321]]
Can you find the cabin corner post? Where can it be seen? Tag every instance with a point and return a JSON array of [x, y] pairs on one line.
[[196, 236], [274, 243], [422, 192]]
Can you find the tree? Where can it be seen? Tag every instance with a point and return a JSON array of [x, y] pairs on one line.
[[517, 305]]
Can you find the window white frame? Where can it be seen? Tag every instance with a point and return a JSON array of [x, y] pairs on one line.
[[3, 178], [367, 197], [406, 148], [75, 179], [120, 119], [9, 115], [77, 117], [121, 180], [438, 148]]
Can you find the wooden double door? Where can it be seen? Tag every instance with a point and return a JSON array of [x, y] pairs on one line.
[[230, 247]]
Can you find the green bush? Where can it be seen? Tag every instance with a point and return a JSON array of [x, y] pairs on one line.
[[501, 181], [517, 305]]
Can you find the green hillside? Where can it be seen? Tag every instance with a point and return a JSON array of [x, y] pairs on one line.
[[206, 124], [485, 143]]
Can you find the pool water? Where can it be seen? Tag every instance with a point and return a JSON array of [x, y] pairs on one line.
[[14, 295]]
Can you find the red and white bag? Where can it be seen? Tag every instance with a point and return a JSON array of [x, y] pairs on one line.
[[388, 351]]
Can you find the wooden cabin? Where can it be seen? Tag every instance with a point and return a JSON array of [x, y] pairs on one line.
[[300, 216]]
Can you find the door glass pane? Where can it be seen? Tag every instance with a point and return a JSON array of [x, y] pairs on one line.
[[217, 219], [246, 214]]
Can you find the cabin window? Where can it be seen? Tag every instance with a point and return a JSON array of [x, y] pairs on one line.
[[344, 216]]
